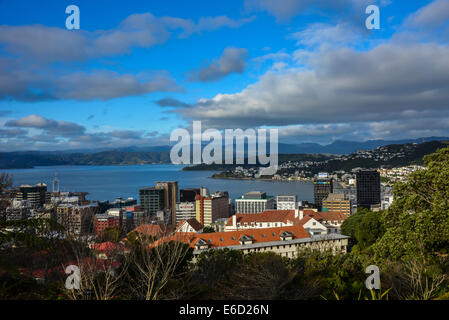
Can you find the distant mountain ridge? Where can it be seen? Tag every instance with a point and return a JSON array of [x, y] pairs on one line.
[[161, 154]]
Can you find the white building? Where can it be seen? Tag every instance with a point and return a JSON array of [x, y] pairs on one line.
[[254, 202], [286, 202], [386, 201], [185, 211]]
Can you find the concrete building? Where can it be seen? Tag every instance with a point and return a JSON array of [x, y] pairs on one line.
[[337, 202], [18, 210], [286, 202], [254, 202], [211, 207], [37, 195], [185, 211], [152, 199], [76, 219], [170, 198]]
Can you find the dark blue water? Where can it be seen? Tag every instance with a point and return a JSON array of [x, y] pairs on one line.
[[109, 182]]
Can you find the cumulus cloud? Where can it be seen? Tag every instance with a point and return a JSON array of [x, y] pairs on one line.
[[62, 128], [337, 89], [35, 132], [284, 10], [171, 102], [329, 34], [233, 60], [12, 133], [26, 85], [435, 14], [144, 30], [126, 134]]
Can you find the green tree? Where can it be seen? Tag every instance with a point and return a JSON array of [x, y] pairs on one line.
[[417, 223], [365, 227]]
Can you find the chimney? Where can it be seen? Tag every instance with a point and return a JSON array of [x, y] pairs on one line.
[[301, 214], [296, 213], [234, 221]]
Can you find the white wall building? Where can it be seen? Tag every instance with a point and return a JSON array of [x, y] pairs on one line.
[[286, 202], [254, 202], [185, 211]]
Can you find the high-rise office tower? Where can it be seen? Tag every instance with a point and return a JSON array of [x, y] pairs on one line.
[[171, 197], [322, 186], [368, 188], [188, 195], [212, 207], [152, 199], [36, 195]]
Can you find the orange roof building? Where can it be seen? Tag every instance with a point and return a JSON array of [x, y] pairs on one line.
[[285, 241]]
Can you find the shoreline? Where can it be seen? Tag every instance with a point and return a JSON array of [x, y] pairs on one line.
[[258, 179]]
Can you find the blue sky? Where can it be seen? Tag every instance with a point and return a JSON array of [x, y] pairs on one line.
[[136, 70]]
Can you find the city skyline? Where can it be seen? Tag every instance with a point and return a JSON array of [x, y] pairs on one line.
[[131, 75]]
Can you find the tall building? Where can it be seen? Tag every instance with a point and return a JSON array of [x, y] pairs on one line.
[[286, 202], [76, 219], [152, 199], [171, 197], [212, 207], [337, 202], [37, 195], [322, 186], [254, 202], [188, 195], [368, 188]]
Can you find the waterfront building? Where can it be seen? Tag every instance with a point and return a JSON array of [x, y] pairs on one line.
[[37, 195], [152, 199], [322, 186], [254, 202]]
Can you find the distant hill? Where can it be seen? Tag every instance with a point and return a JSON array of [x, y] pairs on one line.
[[347, 147], [16, 160], [161, 154]]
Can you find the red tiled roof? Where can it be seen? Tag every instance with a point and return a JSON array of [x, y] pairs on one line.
[[224, 239], [326, 216]]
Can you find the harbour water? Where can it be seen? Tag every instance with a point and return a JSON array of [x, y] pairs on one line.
[[109, 182]]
